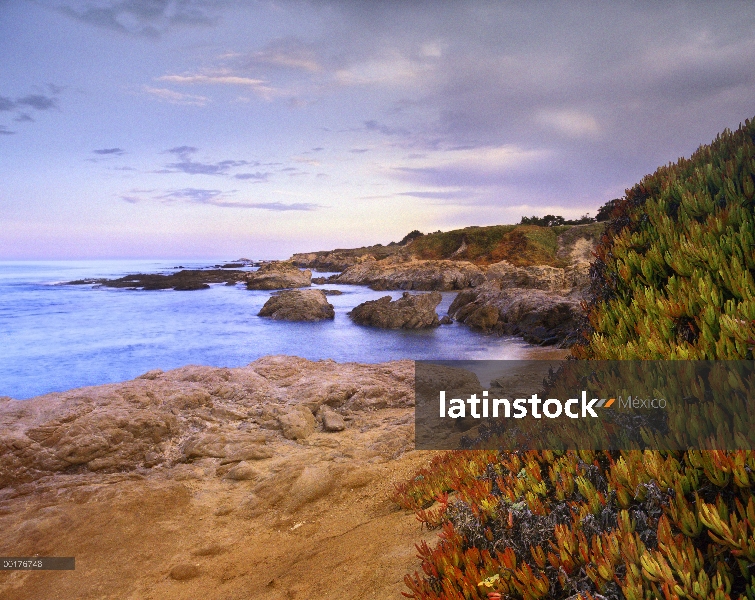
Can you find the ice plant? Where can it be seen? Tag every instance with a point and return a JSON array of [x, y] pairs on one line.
[[673, 279]]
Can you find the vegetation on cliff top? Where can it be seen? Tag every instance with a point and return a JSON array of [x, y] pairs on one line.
[[673, 279], [521, 245]]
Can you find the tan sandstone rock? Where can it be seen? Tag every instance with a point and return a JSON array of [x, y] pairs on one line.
[[297, 424], [399, 274], [278, 275], [331, 420], [298, 305], [184, 572], [175, 499], [408, 312]]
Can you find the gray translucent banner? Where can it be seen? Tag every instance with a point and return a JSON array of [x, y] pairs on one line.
[[37, 563], [585, 405]]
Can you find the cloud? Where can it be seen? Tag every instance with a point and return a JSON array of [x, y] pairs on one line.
[[38, 102], [385, 129], [257, 177], [258, 86], [359, 150], [213, 197], [278, 206], [201, 196], [573, 123], [307, 161], [110, 151], [6, 104], [387, 69], [5, 131], [466, 172], [183, 150], [286, 53], [447, 195], [191, 167], [148, 18], [172, 97], [212, 80]]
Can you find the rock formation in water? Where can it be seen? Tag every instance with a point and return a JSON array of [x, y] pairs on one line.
[[298, 305], [184, 280], [408, 312], [278, 275], [542, 318], [542, 304]]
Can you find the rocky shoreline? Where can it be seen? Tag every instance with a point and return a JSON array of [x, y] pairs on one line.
[[539, 302], [207, 482], [272, 275]]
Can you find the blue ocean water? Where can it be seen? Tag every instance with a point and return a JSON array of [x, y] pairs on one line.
[[56, 337]]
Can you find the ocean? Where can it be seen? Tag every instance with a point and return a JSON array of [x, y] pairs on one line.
[[55, 337]]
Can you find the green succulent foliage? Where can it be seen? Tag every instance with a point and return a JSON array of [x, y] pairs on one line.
[[673, 279], [674, 275]]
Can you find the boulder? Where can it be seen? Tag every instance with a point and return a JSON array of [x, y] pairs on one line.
[[408, 312], [297, 424], [298, 305], [484, 317], [278, 275], [331, 420], [540, 317], [243, 471]]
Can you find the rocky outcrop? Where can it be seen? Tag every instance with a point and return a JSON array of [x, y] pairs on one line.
[[539, 303], [298, 305], [408, 312], [184, 280], [398, 274], [183, 483], [540, 317], [567, 280], [297, 424], [340, 260], [186, 414], [278, 275]]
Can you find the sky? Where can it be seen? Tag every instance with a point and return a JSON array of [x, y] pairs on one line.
[[221, 128]]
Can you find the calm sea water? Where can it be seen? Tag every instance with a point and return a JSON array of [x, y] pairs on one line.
[[56, 337]]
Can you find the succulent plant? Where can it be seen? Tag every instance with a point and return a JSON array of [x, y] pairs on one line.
[[673, 279]]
